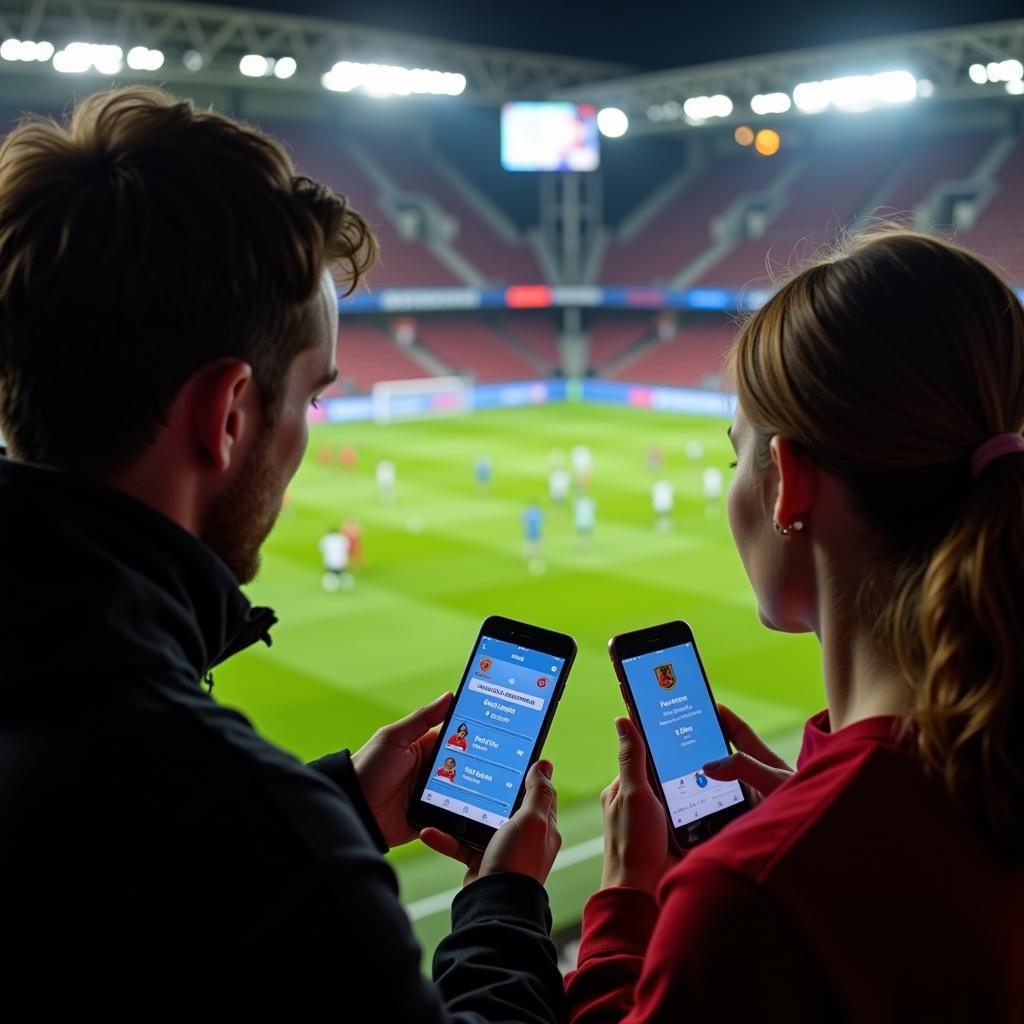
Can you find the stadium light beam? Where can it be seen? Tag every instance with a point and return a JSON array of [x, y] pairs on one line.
[[383, 80], [141, 58], [77, 57], [702, 108], [255, 65], [612, 122], [25, 50], [856, 93], [770, 103], [285, 67]]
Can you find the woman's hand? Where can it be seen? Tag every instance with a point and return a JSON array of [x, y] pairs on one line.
[[754, 762], [526, 844], [638, 847]]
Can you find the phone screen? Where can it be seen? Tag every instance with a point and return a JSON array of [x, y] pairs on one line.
[[488, 743], [682, 730]]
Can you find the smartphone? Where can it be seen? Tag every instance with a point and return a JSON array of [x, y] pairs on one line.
[[666, 690], [499, 720]]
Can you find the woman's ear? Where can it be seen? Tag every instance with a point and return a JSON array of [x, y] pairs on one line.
[[796, 478]]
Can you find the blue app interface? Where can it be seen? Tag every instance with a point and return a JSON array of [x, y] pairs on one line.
[[486, 750], [682, 731]]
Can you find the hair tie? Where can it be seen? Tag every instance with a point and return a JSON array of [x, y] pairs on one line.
[[995, 448]]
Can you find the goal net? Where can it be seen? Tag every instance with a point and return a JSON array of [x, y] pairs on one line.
[[416, 399]]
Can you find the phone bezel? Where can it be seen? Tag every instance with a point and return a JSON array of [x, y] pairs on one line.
[[560, 645], [643, 641]]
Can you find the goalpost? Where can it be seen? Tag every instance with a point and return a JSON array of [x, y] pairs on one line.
[[414, 399]]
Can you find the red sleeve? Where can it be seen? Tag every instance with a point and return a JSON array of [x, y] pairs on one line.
[[721, 949]]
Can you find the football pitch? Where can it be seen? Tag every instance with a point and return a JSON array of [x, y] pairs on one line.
[[445, 553]]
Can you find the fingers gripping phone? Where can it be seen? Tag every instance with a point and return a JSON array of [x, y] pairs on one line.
[[668, 696], [499, 720]]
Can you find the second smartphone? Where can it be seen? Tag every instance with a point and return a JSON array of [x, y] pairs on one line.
[[668, 696], [499, 719]]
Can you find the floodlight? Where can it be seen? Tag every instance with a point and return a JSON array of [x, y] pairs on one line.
[[141, 58], [254, 65], [977, 74], [770, 103], [285, 67], [612, 122]]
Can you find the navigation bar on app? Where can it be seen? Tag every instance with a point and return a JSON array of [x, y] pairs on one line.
[[465, 810], [689, 799]]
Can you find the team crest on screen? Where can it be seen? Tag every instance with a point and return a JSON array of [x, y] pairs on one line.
[[485, 664], [666, 676]]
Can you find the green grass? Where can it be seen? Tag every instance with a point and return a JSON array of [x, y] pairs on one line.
[[444, 555]]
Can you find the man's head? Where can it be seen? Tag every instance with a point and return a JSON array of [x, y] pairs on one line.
[[150, 250]]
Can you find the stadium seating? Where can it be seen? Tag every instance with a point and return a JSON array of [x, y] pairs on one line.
[[367, 355], [931, 160], [612, 335], [680, 231], [538, 333], [999, 231], [692, 359], [403, 264], [470, 346], [411, 168], [828, 193]]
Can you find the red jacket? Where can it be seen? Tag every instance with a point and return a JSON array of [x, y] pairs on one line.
[[854, 892]]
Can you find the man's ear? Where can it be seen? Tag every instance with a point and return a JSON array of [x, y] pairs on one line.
[[796, 475], [225, 410]]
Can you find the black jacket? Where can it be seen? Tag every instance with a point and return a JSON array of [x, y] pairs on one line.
[[144, 827]]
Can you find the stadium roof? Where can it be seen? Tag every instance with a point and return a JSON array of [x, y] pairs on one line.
[[196, 46]]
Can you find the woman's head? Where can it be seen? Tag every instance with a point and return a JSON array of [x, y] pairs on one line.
[[463, 730], [886, 367], [449, 762]]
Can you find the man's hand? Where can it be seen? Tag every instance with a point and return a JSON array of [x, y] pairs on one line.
[[638, 848], [526, 844], [391, 762]]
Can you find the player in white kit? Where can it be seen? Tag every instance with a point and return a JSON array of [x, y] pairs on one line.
[[334, 550], [386, 480], [663, 500], [584, 517], [559, 482], [582, 464]]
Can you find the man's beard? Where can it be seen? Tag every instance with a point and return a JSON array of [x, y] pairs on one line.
[[237, 522]]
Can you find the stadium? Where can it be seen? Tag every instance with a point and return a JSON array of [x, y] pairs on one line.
[[535, 296]]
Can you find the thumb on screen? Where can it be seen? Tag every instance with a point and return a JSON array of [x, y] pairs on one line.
[[632, 755]]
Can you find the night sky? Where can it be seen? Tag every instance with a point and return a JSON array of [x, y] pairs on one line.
[[650, 34]]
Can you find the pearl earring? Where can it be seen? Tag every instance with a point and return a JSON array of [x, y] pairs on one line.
[[794, 527]]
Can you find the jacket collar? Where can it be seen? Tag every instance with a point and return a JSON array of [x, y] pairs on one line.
[[119, 581]]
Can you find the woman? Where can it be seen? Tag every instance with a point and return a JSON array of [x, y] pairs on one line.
[[878, 500]]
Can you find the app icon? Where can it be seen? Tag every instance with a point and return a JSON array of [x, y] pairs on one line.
[[485, 664], [666, 675], [701, 779], [542, 682]]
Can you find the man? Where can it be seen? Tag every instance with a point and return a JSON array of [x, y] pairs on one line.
[[167, 317], [335, 549]]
